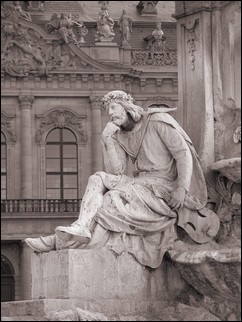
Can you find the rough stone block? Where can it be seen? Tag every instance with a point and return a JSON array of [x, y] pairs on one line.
[[99, 275]]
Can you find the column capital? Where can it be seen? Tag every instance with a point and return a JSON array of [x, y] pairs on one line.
[[95, 102], [26, 101]]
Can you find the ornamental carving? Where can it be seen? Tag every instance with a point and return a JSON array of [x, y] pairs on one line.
[[61, 119], [190, 27], [105, 24], [27, 50], [59, 56], [125, 27], [20, 50], [96, 102], [147, 8], [227, 128], [155, 58], [26, 101], [13, 10], [156, 41], [23, 52], [225, 196], [6, 127], [36, 6], [69, 27]]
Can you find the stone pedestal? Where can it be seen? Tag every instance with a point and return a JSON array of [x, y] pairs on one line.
[[107, 52], [71, 285], [126, 56], [98, 280]]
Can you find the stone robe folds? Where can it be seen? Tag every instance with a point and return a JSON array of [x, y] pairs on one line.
[[135, 216]]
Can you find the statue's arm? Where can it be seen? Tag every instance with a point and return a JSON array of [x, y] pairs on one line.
[[180, 150], [115, 158]]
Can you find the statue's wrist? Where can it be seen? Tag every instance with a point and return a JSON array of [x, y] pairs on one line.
[[182, 188], [106, 137]]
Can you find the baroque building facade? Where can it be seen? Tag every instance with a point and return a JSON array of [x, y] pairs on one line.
[[58, 59]]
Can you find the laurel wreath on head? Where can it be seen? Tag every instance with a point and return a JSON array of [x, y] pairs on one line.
[[116, 95]]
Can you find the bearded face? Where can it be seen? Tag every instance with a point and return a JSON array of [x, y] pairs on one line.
[[120, 117]]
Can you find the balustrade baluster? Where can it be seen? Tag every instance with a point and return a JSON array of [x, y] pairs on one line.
[[57, 206], [15, 206], [3, 205], [40, 205], [51, 205], [10, 209], [46, 205]]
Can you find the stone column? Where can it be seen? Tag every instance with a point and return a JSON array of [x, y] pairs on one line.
[[195, 83], [25, 102], [97, 158]]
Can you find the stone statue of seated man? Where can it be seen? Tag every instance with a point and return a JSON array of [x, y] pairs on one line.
[[139, 214]]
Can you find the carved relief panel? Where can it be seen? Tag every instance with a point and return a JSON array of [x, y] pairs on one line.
[[191, 40], [61, 118]]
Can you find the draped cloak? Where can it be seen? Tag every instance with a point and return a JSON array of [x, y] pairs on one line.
[[134, 216]]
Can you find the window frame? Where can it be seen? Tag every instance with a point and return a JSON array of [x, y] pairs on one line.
[[61, 173]]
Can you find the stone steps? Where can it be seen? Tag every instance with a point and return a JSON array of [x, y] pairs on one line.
[[176, 312], [22, 318]]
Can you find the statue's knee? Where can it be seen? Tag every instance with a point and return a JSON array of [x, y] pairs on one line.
[[95, 179]]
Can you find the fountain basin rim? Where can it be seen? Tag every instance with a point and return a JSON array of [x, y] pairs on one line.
[[225, 163], [226, 255], [230, 168]]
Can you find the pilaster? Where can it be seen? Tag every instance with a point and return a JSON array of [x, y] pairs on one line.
[[195, 91], [97, 159], [25, 104]]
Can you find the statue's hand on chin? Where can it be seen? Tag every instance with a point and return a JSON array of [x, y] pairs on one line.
[[109, 130]]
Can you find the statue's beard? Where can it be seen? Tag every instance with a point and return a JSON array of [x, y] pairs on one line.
[[129, 124]]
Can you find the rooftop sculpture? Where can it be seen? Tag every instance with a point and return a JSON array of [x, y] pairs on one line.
[[105, 24]]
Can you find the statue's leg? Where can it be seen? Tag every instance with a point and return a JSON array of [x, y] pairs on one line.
[[79, 231], [91, 202]]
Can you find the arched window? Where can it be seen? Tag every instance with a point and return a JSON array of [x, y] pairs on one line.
[[61, 165], [7, 280], [3, 167]]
